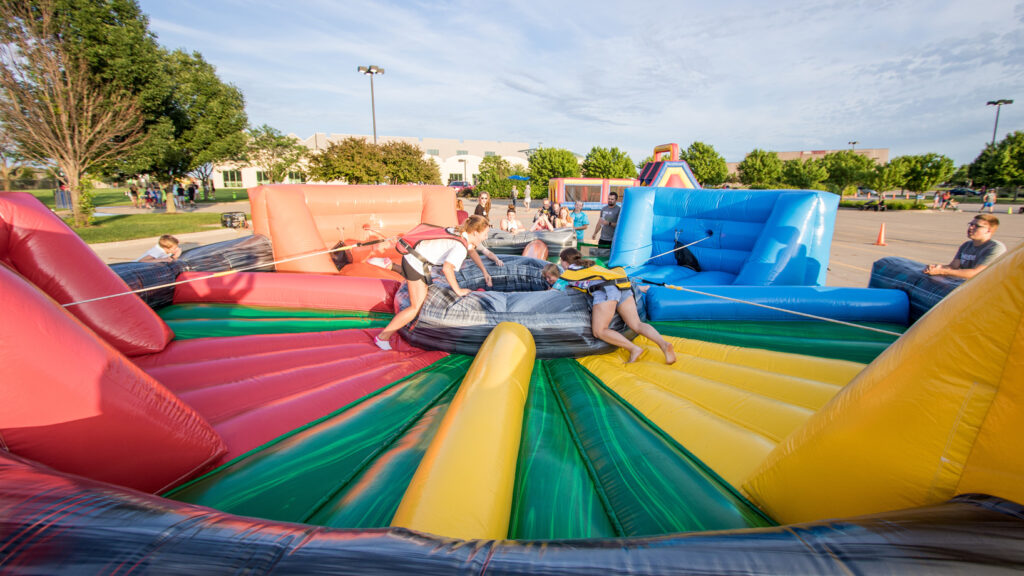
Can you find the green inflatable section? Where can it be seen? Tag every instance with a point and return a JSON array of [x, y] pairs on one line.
[[205, 320], [589, 465], [303, 476], [822, 339]]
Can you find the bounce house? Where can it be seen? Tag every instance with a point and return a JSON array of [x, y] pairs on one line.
[[304, 453]]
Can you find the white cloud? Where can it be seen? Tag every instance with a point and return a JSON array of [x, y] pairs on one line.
[[786, 75]]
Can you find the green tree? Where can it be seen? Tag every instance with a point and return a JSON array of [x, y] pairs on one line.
[[202, 122], [804, 174], [605, 163], [761, 169], [12, 163], [404, 162], [493, 177], [845, 169], [353, 160], [883, 178], [1012, 161], [924, 172], [960, 176], [548, 163], [273, 152], [67, 98], [707, 164]]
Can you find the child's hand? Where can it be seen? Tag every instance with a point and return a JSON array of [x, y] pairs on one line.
[[487, 280], [460, 292]]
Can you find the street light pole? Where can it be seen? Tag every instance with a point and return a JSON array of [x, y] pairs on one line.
[[998, 104], [853, 144], [372, 71]]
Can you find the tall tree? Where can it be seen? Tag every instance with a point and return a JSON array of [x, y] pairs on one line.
[[925, 171], [707, 164], [605, 163], [761, 169], [804, 174], [12, 163], [885, 177], [846, 168], [548, 163], [353, 160], [273, 152], [404, 162], [493, 177], [57, 108]]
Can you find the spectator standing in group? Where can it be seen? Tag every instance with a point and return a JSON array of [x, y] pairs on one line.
[[191, 190], [579, 221], [213, 191], [544, 211], [988, 201], [460, 211], [606, 224], [133, 191], [514, 195], [483, 207], [974, 255], [510, 223], [556, 208], [564, 219]]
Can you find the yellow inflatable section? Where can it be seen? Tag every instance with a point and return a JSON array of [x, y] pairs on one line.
[[939, 413], [463, 486], [729, 406]]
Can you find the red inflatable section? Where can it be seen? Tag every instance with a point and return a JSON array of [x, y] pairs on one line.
[[252, 389], [40, 247], [316, 291], [74, 403]]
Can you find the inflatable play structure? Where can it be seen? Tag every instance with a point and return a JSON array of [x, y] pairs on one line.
[[128, 448]]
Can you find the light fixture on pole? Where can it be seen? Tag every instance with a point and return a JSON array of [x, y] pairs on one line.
[[853, 144], [372, 71], [998, 104]]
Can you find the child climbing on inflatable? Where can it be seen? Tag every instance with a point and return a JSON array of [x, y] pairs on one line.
[[446, 247], [611, 292]]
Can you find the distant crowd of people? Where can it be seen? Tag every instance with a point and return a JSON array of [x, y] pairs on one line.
[[181, 193]]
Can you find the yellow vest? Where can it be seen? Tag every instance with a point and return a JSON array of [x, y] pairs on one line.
[[603, 276]]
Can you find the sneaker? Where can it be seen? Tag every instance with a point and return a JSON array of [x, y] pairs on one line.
[[382, 344]]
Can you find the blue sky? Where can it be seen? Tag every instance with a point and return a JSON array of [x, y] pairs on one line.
[[913, 77]]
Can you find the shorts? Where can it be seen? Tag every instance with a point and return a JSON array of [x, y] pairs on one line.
[[611, 294], [413, 272], [987, 205], [604, 244]]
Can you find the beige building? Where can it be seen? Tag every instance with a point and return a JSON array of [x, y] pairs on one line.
[[456, 159], [879, 155]]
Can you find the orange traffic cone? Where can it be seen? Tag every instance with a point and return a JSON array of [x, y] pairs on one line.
[[881, 236]]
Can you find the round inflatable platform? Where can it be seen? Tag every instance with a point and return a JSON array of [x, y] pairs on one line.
[[558, 320], [506, 243]]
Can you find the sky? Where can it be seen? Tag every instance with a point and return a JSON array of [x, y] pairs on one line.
[[779, 75]]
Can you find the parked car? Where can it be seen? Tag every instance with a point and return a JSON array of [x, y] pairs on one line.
[[964, 192], [461, 187], [866, 191]]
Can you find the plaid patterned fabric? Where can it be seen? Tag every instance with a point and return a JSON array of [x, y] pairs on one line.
[[559, 321], [218, 257], [504, 243], [908, 275]]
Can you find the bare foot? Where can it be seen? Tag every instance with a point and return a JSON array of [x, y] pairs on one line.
[[670, 354], [635, 355]]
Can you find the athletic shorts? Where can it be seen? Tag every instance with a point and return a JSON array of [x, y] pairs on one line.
[[413, 272], [987, 205], [611, 293]]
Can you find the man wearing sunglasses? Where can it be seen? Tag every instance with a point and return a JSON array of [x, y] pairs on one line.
[[974, 255]]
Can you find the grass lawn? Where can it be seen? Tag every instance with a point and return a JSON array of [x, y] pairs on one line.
[[130, 227], [116, 197]]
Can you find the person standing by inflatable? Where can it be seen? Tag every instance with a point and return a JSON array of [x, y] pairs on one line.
[[449, 253], [974, 255], [460, 211], [608, 221], [483, 208], [611, 293], [579, 221]]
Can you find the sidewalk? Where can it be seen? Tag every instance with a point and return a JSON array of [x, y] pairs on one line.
[[129, 250]]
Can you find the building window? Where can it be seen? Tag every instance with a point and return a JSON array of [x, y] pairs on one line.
[[232, 178], [433, 152], [296, 178], [486, 154], [261, 178], [462, 152], [454, 178]]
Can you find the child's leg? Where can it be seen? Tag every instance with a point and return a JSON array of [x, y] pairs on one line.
[[417, 294], [627, 310], [601, 319]]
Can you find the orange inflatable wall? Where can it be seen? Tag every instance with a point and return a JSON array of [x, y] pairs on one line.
[[303, 219]]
